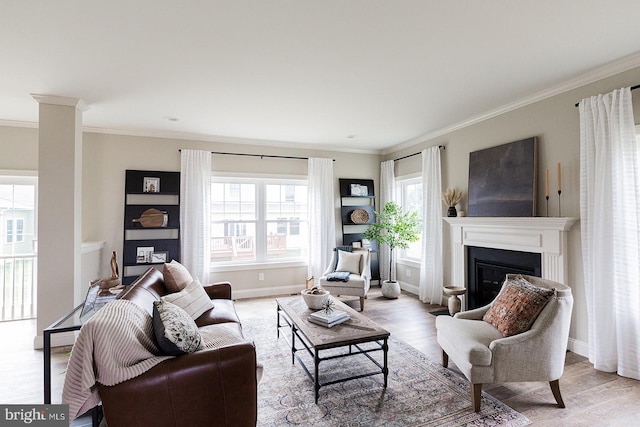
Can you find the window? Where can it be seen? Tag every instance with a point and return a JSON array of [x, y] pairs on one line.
[[258, 220], [17, 214], [409, 193], [15, 230]]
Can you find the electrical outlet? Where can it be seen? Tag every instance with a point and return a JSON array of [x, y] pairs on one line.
[[260, 276], [407, 272]]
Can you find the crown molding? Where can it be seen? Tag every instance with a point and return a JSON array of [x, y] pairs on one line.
[[616, 67], [223, 139], [18, 124], [60, 100]]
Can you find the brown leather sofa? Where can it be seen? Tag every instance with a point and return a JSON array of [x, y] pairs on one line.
[[211, 387]]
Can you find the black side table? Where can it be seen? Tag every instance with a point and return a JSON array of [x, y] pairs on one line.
[[71, 321]]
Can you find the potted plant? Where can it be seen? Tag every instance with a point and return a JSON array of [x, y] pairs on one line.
[[395, 229]]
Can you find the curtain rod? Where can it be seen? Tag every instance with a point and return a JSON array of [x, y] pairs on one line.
[[442, 147], [632, 88], [261, 155]]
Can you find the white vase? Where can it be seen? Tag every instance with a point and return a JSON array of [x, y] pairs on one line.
[[390, 289]]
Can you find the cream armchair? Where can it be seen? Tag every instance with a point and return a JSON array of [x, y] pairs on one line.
[[483, 355], [357, 265]]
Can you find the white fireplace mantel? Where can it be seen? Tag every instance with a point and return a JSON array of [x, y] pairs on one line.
[[546, 236]]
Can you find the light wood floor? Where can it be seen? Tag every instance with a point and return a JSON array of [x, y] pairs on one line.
[[592, 398]]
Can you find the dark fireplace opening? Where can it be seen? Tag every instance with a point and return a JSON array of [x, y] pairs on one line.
[[488, 267]]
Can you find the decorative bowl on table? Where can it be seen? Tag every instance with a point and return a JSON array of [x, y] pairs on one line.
[[315, 297]]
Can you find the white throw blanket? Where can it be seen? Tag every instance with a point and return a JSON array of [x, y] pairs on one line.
[[115, 345]]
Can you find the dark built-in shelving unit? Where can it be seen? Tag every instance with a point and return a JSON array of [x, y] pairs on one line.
[[362, 196], [164, 239]]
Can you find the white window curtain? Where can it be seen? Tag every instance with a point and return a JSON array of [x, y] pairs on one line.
[[610, 225], [431, 276], [387, 194], [195, 212], [322, 221]]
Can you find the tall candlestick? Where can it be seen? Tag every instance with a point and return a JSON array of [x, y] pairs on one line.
[[559, 178], [559, 189], [547, 183]]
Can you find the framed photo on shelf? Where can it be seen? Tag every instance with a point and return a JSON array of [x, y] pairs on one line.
[[151, 185], [144, 254], [356, 244], [359, 190], [160, 256]]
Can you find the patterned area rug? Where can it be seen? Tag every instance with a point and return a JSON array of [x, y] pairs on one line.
[[419, 392]]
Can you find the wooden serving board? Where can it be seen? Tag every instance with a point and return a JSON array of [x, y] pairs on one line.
[[151, 218]]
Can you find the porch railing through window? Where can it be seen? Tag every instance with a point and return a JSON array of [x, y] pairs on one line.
[[17, 283]]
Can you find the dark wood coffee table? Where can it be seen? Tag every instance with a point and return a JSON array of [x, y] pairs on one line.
[[315, 338]]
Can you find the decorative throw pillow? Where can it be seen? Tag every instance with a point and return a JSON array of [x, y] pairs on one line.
[[175, 331], [193, 299], [517, 306], [349, 262], [176, 276], [346, 248]]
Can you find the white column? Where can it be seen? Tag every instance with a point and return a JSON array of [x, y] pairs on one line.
[[59, 206]]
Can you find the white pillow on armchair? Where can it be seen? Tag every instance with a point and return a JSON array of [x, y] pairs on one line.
[[349, 261]]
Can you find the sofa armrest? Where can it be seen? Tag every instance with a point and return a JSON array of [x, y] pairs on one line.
[[219, 290], [208, 387]]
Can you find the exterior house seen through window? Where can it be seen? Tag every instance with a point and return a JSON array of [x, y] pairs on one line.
[[257, 220], [15, 230]]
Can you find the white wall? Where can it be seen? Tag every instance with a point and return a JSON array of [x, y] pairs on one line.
[[555, 121]]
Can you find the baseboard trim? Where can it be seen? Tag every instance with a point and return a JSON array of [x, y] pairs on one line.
[[578, 347], [410, 288], [267, 292], [414, 289]]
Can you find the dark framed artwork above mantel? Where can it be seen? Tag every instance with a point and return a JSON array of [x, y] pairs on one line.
[[503, 180]]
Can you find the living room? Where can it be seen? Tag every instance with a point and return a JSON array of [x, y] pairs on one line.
[[549, 114]]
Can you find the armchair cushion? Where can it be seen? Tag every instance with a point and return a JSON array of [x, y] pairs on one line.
[[517, 306], [349, 261], [175, 331], [193, 299]]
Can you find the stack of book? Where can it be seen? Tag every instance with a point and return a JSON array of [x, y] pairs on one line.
[[330, 319]]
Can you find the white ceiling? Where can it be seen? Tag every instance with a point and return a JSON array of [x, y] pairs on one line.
[[303, 72]]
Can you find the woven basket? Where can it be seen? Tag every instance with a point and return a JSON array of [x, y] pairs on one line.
[[359, 216]]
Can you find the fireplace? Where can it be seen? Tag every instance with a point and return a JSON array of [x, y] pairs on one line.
[[487, 268], [543, 237]]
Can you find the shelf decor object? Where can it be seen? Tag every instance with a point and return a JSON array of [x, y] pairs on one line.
[[152, 218], [359, 216], [151, 185]]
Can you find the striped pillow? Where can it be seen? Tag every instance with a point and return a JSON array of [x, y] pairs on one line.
[[193, 299]]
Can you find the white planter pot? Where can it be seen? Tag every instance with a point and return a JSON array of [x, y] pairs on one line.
[[390, 289]]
